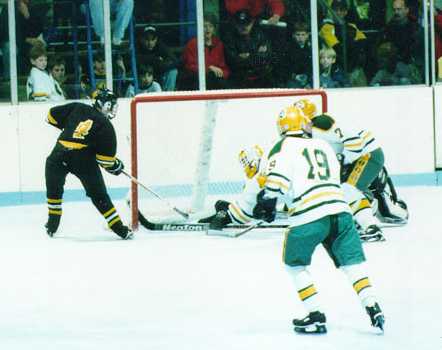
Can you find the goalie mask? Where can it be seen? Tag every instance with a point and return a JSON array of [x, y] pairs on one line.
[[105, 102], [292, 121], [307, 107]]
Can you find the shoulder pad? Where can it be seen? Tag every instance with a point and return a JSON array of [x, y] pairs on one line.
[[323, 122]]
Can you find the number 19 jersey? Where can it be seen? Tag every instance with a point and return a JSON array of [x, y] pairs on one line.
[[306, 174]]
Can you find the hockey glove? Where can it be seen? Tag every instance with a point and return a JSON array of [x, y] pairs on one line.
[[116, 168], [265, 208]]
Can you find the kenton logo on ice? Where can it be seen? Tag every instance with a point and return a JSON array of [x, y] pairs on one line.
[[184, 227]]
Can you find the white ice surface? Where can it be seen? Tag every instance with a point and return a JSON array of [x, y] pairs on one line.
[[87, 289]]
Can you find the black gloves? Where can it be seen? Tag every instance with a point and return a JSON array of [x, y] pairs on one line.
[[265, 208], [116, 168]]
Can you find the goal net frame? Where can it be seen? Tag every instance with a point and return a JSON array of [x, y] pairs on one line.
[[176, 97]]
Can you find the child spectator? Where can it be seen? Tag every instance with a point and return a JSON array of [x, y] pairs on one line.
[[248, 53], [297, 60], [146, 83], [152, 52], [40, 85], [332, 33], [331, 76], [217, 71], [99, 68]]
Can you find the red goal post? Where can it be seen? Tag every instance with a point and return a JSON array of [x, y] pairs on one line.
[[188, 126]]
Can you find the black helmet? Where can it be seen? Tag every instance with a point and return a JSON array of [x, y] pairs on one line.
[[105, 102]]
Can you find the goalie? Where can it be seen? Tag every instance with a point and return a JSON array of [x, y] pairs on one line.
[[241, 211]]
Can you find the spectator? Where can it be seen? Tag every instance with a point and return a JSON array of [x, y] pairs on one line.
[[30, 24], [331, 76], [297, 60], [402, 31], [153, 52], [120, 9], [248, 53], [217, 71], [332, 33], [57, 69], [391, 71], [40, 85], [257, 8], [99, 71], [147, 84]]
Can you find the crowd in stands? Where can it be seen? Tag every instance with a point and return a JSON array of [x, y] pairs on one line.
[[248, 44]]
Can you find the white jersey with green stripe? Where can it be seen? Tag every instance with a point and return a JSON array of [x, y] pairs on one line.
[[305, 173], [351, 144]]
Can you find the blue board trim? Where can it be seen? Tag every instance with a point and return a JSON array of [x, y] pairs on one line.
[[216, 188]]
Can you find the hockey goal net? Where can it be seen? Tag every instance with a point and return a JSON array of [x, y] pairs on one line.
[[185, 145]]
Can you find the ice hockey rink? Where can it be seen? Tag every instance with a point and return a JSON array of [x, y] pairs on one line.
[[87, 289]]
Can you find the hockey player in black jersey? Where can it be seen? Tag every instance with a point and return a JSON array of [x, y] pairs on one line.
[[87, 140]]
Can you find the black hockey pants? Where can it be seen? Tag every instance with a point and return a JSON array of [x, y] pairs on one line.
[[83, 165]]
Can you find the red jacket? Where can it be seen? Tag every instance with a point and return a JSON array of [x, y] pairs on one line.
[[213, 56], [256, 7]]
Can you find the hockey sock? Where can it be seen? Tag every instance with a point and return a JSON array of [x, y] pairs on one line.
[[238, 215], [363, 213], [306, 289], [357, 275], [113, 219], [54, 214]]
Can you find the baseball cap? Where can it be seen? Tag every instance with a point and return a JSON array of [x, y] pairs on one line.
[[242, 17], [150, 30]]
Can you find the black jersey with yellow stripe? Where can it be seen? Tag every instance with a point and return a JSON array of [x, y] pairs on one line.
[[82, 126]]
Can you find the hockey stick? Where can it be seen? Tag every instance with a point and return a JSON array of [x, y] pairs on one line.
[[248, 229], [170, 227], [135, 180]]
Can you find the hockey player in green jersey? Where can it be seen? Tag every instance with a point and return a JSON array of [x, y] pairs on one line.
[[87, 140], [304, 173]]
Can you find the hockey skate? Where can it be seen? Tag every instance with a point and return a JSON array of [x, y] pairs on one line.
[[372, 233], [52, 224], [313, 323], [376, 316], [123, 231]]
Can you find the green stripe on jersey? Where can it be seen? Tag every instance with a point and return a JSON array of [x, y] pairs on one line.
[[276, 148]]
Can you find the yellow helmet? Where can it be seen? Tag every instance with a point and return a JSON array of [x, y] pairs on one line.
[[307, 107], [292, 120]]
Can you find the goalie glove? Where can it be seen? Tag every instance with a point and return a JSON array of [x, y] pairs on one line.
[[116, 168], [265, 208]]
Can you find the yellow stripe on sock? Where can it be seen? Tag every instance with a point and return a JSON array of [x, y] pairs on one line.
[[307, 292], [110, 211], [114, 221], [55, 212], [54, 201], [361, 284]]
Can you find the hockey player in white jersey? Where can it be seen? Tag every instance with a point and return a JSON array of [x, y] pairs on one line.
[[307, 172], [362, 160]]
